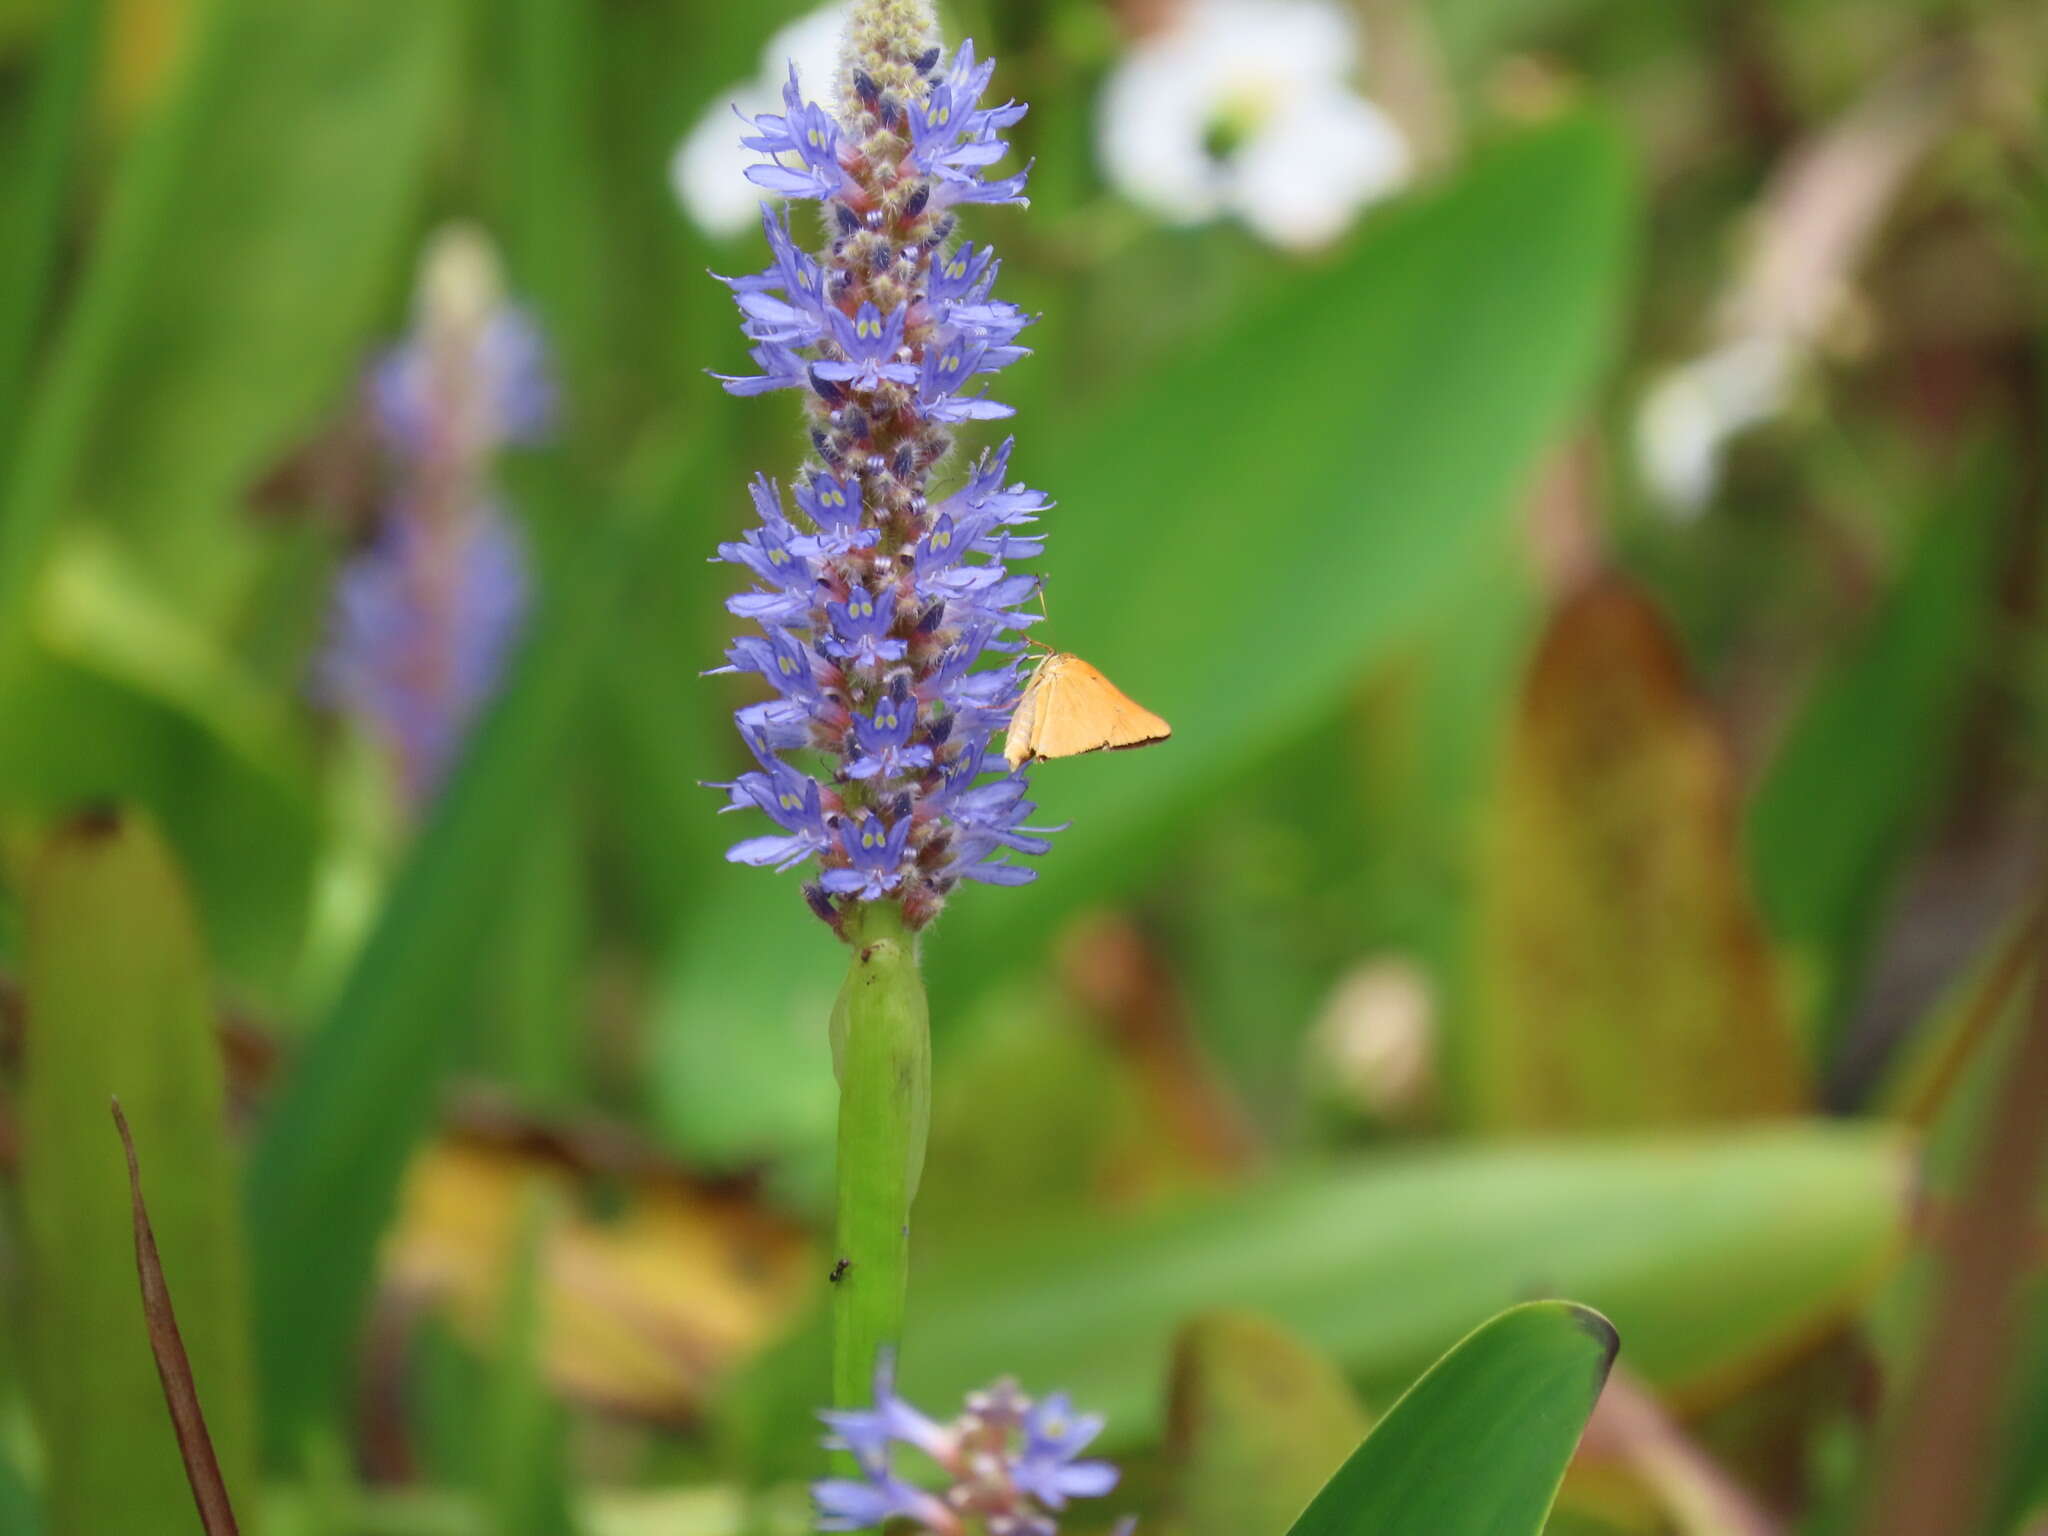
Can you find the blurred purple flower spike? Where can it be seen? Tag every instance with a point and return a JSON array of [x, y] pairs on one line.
[[425, 615]]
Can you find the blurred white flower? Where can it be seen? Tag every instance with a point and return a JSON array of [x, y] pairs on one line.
[[1374, 1046], [1812, 230], [1693, 411], [1244, 107], [709, 169]]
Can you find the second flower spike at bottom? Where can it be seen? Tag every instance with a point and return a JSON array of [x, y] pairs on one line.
[[1011, 1464]]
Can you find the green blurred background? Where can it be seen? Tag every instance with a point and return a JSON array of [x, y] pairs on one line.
[[1598, 596]]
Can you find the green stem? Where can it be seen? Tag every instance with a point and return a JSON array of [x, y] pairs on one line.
[[881, 1050]]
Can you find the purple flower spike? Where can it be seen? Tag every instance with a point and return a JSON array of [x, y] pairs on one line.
[[1009, 1465], [883, 607], [425, 615]]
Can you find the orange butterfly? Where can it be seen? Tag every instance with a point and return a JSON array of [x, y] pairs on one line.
[[1069, 708]]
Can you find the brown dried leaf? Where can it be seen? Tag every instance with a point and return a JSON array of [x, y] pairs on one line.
[[181, 1393], [1623, 976], [654, 1285]]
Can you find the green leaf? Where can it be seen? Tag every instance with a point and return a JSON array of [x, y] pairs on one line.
[[1329, 465], [120, 1003], [527, 1480], [1479, 1445], [1257, 1423], [1623, 977], [1713, 1254], [244, 254], [19, 1511], [364, 1092], [35, 219], [72, 731], [1823, 843]]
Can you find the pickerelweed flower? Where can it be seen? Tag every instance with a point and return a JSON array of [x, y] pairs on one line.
[[1245, 107], [425, 614], [1011, 1463], [877, 596]]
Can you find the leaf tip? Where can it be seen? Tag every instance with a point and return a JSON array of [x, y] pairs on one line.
[[1601, 1331]]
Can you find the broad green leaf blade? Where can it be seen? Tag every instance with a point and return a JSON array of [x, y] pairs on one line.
[[1622, 975], [120, 1003], [1240, 540], [1823, 843], [1479, 1445], [1713, 1254], [363, 1094], [1257, 1423]]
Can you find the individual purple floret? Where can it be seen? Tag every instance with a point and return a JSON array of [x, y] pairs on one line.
[[1010, 1464], [426, 613], [886, 612]]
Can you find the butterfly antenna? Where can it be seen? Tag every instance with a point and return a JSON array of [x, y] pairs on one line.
[[1029, 638]]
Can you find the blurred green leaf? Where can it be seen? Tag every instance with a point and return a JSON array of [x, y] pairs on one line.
[[526, 1456], [1256, 1424], [120, 1004], [246, 250], [1480, 1444], [20, 1514], [1712, 1255], [225, 301], [35, 219], [1235, 553], [1823, 842], [364, 1091], [1622, 976], [71, 731], [533, 1001], [741, 1068], [1028, 1110]]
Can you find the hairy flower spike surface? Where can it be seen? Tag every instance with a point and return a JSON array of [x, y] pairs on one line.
[[878, 597], [425, 614], [1012, 1464]]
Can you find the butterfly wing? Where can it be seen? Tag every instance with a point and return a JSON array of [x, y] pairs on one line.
[[1079, 710], [1017, 745]]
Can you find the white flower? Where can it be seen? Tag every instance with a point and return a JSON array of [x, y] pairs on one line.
[[1243, 107], [709, 169], [1693, 411]]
